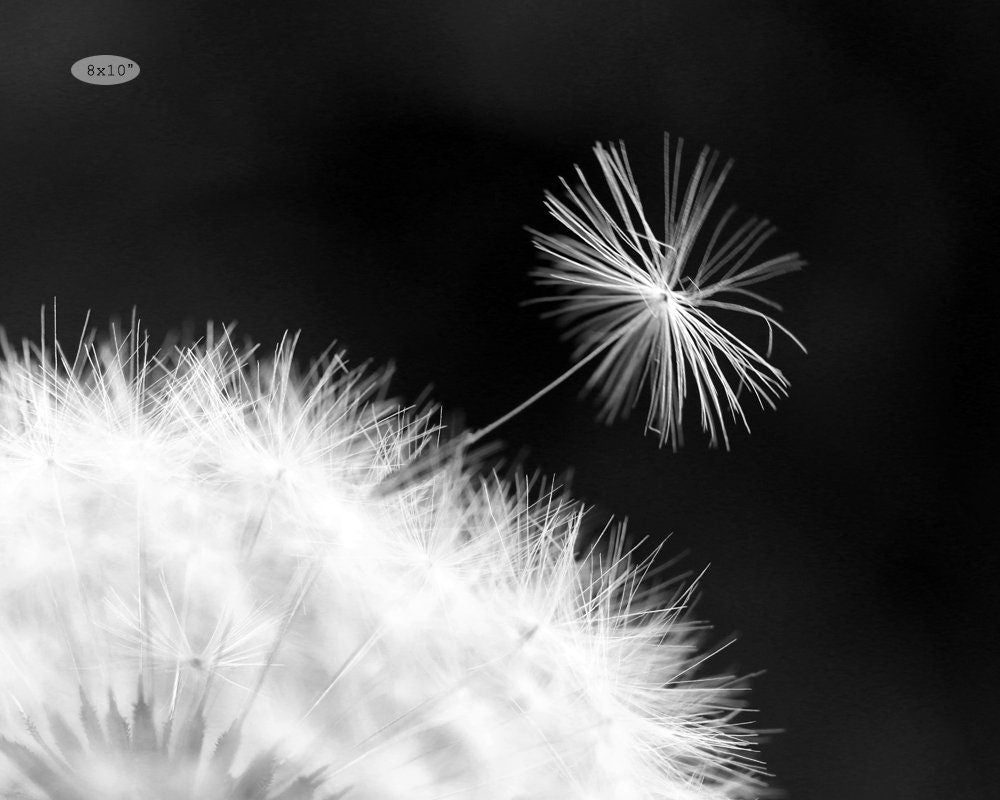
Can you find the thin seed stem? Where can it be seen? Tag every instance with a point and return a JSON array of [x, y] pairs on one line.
[[477, 435], [430, 459]]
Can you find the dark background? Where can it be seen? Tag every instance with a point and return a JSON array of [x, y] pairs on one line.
[[362, 171]]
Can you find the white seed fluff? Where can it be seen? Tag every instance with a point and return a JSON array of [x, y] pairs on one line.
[[641, 300], [200, 597]]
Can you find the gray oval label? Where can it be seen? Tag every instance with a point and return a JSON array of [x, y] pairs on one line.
[[104, 70]]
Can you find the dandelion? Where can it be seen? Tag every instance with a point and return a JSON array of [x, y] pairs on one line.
[[642, 301], [202, 597]]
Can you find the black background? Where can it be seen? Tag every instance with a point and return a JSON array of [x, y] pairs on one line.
[[362, 171]]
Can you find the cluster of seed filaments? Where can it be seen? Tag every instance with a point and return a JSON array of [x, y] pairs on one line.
[[122, 759]]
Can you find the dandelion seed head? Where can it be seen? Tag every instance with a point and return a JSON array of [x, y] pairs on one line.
[[644, 303], [201, 597]]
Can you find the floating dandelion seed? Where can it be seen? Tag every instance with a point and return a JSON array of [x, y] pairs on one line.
[[636, 302], [640, 301], [201, 598]]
